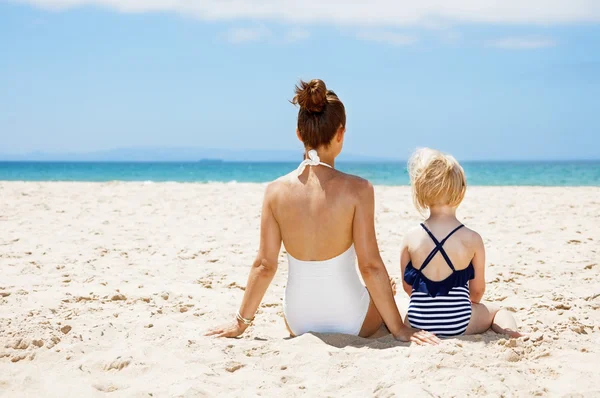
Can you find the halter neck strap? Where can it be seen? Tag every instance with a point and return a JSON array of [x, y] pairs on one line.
[[312, 159]]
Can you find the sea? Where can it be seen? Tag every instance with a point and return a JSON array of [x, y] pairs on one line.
[[525, 173]]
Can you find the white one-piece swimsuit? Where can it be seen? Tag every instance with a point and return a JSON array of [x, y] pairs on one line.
[[325, 296]]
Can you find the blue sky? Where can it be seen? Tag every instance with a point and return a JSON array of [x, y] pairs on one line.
[[482, 80]]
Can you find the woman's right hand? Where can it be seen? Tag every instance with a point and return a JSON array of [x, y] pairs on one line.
[[232, 329], [420, 337]]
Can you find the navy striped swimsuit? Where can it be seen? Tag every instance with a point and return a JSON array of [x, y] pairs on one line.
[[440, 307]]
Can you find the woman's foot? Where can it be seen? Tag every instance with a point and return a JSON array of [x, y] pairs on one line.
[[393, 284]]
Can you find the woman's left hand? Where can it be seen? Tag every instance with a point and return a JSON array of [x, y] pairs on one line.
[[420, 337], [232, 329]]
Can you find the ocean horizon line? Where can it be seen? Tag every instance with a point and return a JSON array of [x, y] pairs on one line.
[[150, 154], [344, 161], [487, 173]]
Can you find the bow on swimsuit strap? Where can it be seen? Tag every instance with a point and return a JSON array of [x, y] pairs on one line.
[[312, 159]]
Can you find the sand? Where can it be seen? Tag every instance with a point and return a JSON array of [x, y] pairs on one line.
[[106, 289]]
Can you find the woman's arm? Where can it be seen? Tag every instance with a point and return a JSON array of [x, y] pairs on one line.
[[477, 284], [404, 260], [262, 272], [374, 272]]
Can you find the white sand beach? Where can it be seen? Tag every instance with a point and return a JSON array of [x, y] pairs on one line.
[[107, 289]]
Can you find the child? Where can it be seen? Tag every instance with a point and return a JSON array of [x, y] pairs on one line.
[[442, 261]]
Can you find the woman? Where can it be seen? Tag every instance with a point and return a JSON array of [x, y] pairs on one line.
[[318, 213]]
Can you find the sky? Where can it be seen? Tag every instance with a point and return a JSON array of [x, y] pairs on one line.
[[481, 79]]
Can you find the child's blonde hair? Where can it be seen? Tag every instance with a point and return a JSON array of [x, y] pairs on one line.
[[436, 179]]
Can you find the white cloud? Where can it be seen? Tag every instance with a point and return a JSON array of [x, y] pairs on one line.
[[244, 35], [383, 36], [521, 43], [296, 35], [259, 33], [450, 36], [365, 13]]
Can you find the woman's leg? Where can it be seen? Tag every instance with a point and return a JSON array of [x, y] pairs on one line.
[[288, 327], [373, 320], [402, 305], [488, 315]]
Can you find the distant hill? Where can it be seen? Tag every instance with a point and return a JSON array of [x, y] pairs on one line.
[[178, 155]]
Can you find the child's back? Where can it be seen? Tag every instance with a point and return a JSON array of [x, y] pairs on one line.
[[460, 247], [438, 276], [442, 261]]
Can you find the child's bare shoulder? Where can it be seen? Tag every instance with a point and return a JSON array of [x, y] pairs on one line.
[[471, 237], [412, 235]]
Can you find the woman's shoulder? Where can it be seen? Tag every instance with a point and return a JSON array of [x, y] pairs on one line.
[[342, 183], [354, 182], [276, 187], [355, 186]]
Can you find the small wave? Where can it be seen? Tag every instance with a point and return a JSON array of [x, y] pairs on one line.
[[231, 182]]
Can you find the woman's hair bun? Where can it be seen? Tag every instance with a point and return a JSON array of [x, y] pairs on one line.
[[311, 96]]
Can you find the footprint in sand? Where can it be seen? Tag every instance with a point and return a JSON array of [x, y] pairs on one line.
[[511, 356], [234, 285], [106, 387], [234, 366], [18, 344], [592, 297], [18, 357], [118, 364], [82, 298], [207, 284], [66, 329], [290, 380]]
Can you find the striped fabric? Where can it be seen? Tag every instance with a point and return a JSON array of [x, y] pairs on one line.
[[445, 316]]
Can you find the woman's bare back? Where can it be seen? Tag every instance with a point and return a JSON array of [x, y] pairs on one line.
[[315, 212]]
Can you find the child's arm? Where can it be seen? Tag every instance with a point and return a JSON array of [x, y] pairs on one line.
[[477, 285], [404, 260]]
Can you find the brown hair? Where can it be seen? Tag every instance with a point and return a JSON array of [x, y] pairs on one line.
[[436, 179], [321, 113]]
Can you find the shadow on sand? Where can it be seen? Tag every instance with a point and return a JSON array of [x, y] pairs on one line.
[[385, 340]]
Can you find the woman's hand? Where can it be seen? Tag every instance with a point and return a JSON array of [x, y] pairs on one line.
[[232, 329], [420, 337]]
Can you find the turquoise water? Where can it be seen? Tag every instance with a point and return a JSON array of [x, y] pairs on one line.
[[478, 173]]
